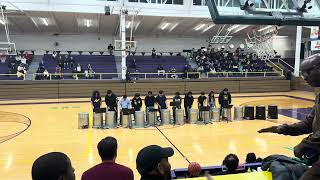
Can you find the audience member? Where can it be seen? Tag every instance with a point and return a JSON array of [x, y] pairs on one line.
[[21, 71], [53, 166], [153, 53], [153, 164], [110, 49], [96, 100], [251, 158], [90, 72], [231, 162], [58, 72], [54, 54], [108, 169], [46, 74], [188, 102]]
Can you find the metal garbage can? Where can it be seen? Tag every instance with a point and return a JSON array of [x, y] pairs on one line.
[[139, 119], [165, 115], [83, 120], [193, 115], [97, 120], [110, 119], [179, 117], [238, 113], [215, 114]]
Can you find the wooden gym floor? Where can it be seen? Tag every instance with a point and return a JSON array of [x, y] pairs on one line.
[[54, 128]]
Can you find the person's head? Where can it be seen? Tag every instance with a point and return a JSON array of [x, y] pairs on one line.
[[153, 160], [231, 162], [202, 93], [107, 149], [53, 166], [96, 94], [124, 96], [177, 94], [137, 95], [211, 94], [189, 94], [160, 92], [251, 158], [149, 93], [310, 69], [225, 90], [109, 92]]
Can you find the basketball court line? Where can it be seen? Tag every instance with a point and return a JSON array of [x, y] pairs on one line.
[[184, 157]]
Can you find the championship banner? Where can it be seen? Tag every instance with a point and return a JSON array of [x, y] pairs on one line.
[[315, 38]]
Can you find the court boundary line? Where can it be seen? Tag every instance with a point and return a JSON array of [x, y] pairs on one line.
[[184, 157], [14, 135]]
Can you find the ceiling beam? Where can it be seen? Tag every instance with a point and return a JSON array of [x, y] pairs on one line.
[[99, 23], [56, 22], [156, 26], [76, 24]]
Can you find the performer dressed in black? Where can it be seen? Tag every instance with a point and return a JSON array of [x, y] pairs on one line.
[[136, 102], [224, 100], [188, 101], [177, 100], [201, 100], [112, 103], [96, 100]]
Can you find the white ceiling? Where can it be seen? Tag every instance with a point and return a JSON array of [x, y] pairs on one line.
[[75, 23]]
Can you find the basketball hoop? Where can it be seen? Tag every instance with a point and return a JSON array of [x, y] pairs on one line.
[[261, 41]]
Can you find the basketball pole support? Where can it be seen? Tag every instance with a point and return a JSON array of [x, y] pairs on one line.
[[298, 51], [123, 44]]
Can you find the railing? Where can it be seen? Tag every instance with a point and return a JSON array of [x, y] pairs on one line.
[[280, 61], [9, 77], [243, 74], [276, 66], [160, 75]]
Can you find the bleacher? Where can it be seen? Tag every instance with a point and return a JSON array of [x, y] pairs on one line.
[[4, 70], [99, 63], [148, 64]]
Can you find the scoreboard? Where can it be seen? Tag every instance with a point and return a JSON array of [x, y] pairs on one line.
[[315, 38]]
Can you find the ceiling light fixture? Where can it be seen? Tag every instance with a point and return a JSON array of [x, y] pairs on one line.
[[200, 26], [44, 21], [88, 22], [241, 28], [128, 24], [164, 26], [233, 27], [2, 22], [207, 28], [173, 27], [265, 28]]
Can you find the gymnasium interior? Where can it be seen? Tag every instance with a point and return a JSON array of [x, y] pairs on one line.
[[55, 55]]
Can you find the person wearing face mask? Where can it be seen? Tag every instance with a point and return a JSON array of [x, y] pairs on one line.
[[224, 99], [309, 146]]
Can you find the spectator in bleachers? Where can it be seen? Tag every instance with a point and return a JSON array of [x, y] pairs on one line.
[[173, 70], [160, 67], [128, 76], [39, 75], [211, 100], [108, 168], [96, 100], [136, 102], [53, 166], [153, 53], [66, 64], [153, 164], [89, 73], [58, 72], [110, 49], [54, 54], [188, 101], [133, 64], [71, 62], [177, 100], [21, 71], [46, 74]]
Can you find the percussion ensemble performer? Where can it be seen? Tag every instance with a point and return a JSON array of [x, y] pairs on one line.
[[149, 102], [136, 102], [309, 146], [96, 100], [188, 102], [224, 99], [112, 102], [201, 101], [176, 99], [161, 101]]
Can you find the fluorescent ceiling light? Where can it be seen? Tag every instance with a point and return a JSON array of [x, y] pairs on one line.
[[241, 28], [265, 28], [164, 26], [128, 24], [207, 28], [233, 27], [87, 22], [2, 21], [137, 25], [200, 26], [44, 21], [174, 26]]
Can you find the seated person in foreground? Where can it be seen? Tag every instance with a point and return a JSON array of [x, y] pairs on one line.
[[231, 162], [53, 166], [108, 168]]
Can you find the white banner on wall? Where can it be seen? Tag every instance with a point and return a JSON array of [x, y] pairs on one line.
[[315, 38]]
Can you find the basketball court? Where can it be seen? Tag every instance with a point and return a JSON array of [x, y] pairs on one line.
[[53, 127]]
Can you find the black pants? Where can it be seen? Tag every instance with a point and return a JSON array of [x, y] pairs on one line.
[[186, 110], [160, 108], [312, 173], [113, 108]]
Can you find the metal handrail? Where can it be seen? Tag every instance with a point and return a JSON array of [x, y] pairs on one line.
[[24, 75], [245, 73], [281, 70], [279, 59]]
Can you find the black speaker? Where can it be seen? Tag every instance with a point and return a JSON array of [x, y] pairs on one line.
[[249, 112], [272, 112], [261, 112]]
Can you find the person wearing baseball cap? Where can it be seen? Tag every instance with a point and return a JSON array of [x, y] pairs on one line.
[[152, 163]]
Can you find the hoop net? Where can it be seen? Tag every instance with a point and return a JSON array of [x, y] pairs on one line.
[[3, 56], [261, 41]]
